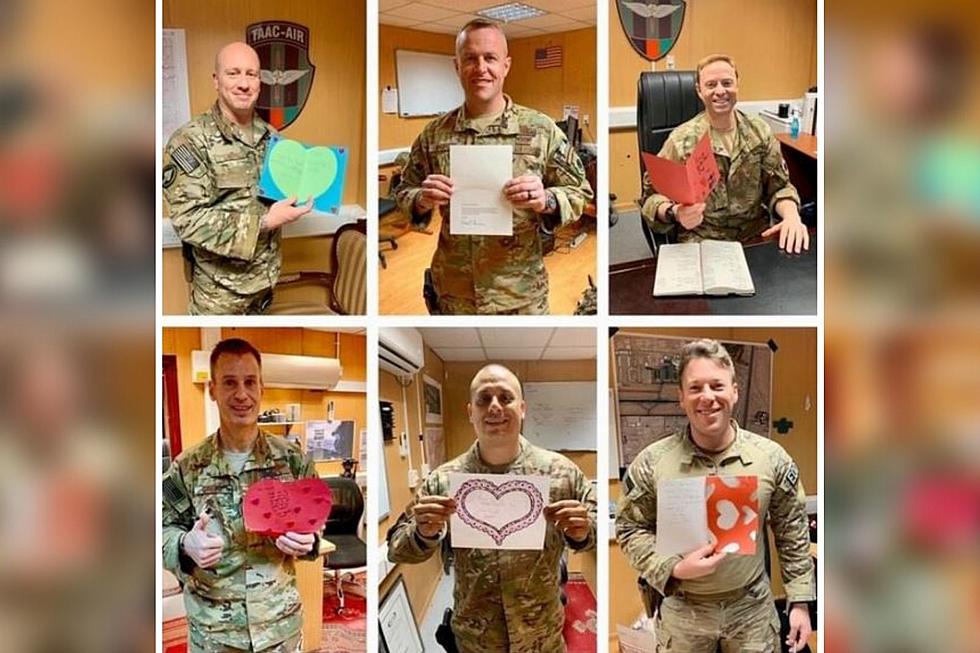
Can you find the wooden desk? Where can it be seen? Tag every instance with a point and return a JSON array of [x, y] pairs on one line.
[[785, 284], [801, 158], [309, 582], [804, 143]]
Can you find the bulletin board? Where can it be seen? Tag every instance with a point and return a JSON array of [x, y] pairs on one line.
[[561, 415], [427, 83]]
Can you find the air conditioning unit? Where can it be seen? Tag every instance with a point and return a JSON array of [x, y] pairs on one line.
[[400, 350], [281, 370]]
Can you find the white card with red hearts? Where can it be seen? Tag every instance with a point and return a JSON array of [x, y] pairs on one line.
[[498, 511], [693, 511]]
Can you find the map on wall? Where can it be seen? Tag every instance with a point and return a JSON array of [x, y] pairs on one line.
[[646, 382]]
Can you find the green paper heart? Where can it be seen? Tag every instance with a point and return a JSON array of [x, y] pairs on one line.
[[302, 172]]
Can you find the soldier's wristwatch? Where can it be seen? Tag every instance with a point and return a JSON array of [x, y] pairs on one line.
[[550, 203], [671, 213]]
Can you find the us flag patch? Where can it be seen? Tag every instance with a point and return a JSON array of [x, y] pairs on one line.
[[185, 158]]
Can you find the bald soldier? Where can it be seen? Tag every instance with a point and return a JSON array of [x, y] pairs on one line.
[[239, 587], [754, 183], [505, 601], [712, 598], [211, 169], [493, 274]]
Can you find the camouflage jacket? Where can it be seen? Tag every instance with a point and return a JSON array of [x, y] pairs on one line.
[[753, 178], [781, 504], [504, 600], [249, 600], [498, 273], [210, 181]]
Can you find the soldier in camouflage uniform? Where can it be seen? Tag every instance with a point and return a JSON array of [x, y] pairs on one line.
[[713, 598], [505, 601], [493, 274], [239, 587], [754, 182], [211, 170]]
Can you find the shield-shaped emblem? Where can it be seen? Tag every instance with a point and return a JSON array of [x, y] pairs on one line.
[[287, 74], [652, 26]]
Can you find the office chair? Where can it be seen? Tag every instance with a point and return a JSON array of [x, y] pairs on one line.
[[341, 530], [664, 100], [346, 283], [388, 207]]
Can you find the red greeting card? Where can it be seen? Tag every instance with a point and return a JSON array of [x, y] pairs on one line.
[[733, 512], [274, 507], [689, 182]]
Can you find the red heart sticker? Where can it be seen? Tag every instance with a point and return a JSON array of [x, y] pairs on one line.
[[273, 507]]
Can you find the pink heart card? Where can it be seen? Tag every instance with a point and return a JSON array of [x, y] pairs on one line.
[[498, 511], [274, 507]]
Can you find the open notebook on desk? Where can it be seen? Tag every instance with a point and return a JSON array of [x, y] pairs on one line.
[[711, 267]]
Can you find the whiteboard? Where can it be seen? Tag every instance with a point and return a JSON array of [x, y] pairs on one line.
[[427, 83], [174, 88], [561, 415]]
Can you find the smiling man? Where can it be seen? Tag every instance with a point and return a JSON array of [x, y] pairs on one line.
[[211, 170], [239, 587], [493, 274], [504, 600], [713, 599], [754, 184]]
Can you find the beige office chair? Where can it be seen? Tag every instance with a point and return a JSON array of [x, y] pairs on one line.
[[346, 283]]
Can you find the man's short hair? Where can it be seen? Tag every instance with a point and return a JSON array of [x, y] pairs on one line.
[[235, 347], [475, 24], [520, 384], [705, 348], [712, 58]]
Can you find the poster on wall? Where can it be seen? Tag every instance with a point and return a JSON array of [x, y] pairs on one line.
[[330, 439], [432, 396], [435, 447], [396, 619], [646, 369]]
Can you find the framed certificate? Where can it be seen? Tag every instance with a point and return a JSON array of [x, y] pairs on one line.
[[396, 621]]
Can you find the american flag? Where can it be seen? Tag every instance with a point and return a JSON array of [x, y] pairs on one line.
[[549, 57]]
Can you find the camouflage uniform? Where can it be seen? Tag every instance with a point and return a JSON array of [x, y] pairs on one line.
[[734, 605], [496, 274], [753, 178], [249, 601], [210, 180], [505, 601]]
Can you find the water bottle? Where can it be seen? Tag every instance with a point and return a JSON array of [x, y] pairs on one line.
[[794, 124]]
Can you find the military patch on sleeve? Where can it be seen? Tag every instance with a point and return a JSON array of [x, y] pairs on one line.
[[169, 174], [174, 495], [185, 158], [791, 476]]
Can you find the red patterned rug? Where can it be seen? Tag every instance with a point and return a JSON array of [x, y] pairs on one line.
[[580, 616], [347, 632]]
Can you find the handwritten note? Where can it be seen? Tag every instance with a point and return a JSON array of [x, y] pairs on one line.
[[690, 182], [498, 511], [682, 516], [694, 511], [273, 507], [292, 169], [478, 206]]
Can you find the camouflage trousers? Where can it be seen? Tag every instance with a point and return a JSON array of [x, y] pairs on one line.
[[198, 643], [741, 622], [208, 298], [461, 306]]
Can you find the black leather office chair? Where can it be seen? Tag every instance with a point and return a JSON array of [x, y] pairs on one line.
[[664, 100], [341, 530]]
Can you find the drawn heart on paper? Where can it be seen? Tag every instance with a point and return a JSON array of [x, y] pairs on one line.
[[302, 172], [273, 507], [498, 533]]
